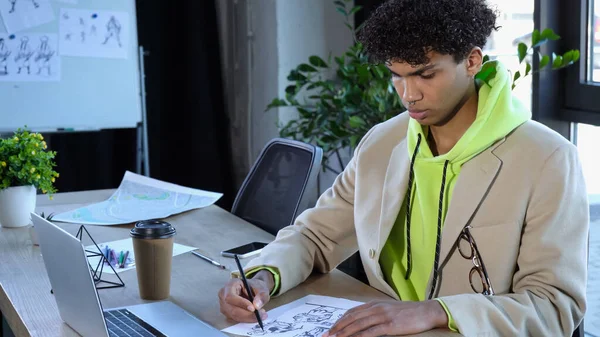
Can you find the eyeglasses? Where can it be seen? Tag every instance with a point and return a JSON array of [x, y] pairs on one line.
[[468, 249]]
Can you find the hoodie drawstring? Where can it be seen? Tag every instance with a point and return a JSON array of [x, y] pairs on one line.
[[409, 195], [439, 233]]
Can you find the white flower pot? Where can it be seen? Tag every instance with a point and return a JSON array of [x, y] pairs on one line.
[[16, 205]]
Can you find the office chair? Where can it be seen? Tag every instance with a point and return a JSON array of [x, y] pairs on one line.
[[272, 194]]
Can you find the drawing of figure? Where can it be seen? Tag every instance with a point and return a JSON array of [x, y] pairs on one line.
[[315, 332], [4, 54], [24, 56], [274, 327], [13, 4], [93, 30], [82, 34], [320, 314], [113, 30], [43, 56]]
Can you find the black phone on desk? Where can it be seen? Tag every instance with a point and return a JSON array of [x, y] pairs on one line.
[[247, 250]]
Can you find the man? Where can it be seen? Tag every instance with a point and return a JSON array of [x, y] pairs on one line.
[[470, 215]]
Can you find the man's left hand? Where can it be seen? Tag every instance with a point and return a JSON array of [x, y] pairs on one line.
[[380, 318]]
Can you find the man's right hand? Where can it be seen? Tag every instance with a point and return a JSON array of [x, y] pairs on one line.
[[234, 302]]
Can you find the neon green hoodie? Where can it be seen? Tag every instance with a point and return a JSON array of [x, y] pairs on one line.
[[498, 113]]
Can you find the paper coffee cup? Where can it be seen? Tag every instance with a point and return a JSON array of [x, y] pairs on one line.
[[153, 249]]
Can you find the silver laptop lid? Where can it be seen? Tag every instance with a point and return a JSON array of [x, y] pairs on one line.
[[70, 278]]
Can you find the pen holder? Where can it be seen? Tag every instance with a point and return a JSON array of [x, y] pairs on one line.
[[97, 271]]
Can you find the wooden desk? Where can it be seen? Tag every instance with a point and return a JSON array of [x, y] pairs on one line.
[[30, 309]]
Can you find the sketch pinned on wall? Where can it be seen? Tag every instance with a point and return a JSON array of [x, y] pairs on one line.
[[310, 316], [90, 33], [29, 57], [19, 15]]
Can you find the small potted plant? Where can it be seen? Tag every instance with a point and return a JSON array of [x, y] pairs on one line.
[[25, 167]]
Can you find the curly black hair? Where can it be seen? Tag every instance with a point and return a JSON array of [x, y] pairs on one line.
[[406, 30]]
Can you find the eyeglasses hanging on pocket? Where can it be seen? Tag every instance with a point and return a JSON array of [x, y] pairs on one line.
[[468, 249]]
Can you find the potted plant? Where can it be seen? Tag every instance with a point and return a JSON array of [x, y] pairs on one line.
[[336, 112], [25, 167]]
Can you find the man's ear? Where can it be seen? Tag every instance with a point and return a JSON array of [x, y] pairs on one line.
[[474, 61]]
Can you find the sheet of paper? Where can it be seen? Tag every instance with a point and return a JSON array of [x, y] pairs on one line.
[[124, 246], [91, 33], [30, 57], [19, 15], [140, 198], [309, 316], [73, 2]]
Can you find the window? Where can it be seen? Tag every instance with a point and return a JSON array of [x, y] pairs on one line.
[[515, 19], [587, 137], [581, 20]]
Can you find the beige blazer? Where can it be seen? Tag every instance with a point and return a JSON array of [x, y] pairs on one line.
[[525, 199]]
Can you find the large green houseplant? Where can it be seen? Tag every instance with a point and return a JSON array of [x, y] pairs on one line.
[[335, 113]]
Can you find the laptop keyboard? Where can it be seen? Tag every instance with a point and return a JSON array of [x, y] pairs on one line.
[[122, 323]]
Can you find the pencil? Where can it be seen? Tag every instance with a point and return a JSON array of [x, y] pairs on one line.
[[248, 290]]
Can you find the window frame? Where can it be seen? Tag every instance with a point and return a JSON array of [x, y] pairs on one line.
[[579, 95]]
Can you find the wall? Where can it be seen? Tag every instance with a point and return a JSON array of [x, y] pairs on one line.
[[269, 39]]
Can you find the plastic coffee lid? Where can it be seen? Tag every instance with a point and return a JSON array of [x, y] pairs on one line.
[[152, 229]]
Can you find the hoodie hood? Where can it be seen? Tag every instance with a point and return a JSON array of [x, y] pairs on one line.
[[498, 113]]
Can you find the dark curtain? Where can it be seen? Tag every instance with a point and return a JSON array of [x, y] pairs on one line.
[[187, 121], [187, 125]]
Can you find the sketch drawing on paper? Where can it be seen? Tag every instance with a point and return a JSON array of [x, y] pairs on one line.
[[274, 327], [321, 315], [23, 57], [4, 54], [113, 30], [44, 56], [13, 4], [314, 332]]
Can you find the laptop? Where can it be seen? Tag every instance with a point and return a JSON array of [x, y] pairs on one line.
[[79, 305]]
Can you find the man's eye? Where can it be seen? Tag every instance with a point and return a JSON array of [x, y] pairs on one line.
[[428, 76]]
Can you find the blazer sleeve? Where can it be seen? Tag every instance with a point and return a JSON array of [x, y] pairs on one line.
[[548, 294], [321, 238]]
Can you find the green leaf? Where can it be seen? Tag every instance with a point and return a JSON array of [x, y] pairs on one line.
[[276, 103], [517, 76], [339, 3], [296, 76], [557, 62], [355, 9], [291, 89], [527, 68], [306, 68], [317, 61], [535, 37], [576, 55], [354, 141], [356, 122], [487, 73], [485, 58], [522, 51], [567, 58], [363, 73], [544, 61], [342, 10], [549, 34]]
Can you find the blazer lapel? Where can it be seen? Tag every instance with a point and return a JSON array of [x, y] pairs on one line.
[[394, 190], [474, 181]]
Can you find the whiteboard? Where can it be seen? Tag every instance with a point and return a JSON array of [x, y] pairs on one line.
[[92, 93]]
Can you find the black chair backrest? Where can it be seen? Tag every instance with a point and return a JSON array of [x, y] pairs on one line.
[[272, 193]]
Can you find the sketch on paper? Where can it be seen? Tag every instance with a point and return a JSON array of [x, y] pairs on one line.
[[310, 316], [94, 33], [29, 57], [314, 332], [4, 54], [19, 15], [320, 315], [274, 327]]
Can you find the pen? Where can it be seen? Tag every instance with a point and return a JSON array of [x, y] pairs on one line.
[[248, 290], [125, 259], [206, 258]]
